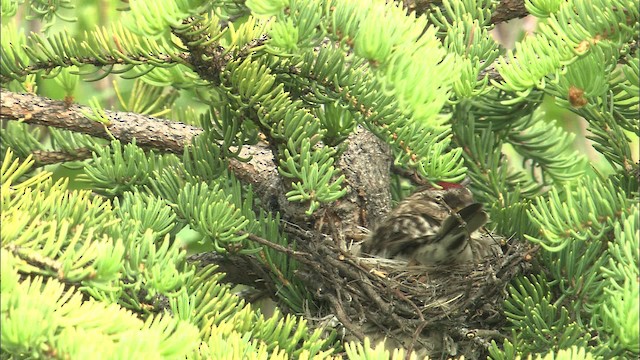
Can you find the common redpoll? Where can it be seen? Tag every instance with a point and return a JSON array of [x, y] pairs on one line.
[[430, 227]]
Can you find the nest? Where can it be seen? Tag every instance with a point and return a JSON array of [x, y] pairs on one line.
[[433, 311]]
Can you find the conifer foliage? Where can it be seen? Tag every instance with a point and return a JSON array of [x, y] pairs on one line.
[[156, 154]]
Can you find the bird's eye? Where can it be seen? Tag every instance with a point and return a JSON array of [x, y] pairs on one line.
[[439, 198]]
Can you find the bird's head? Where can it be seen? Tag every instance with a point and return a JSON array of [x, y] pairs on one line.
[[452, 195]]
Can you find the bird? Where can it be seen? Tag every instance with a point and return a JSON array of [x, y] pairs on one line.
[[432, 227]]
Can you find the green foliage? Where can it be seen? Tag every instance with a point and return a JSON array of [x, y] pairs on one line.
[[618, 309], [357, 351], [465, 27], [211, 213], [539, 324], [561, 223], [221, 316], [75, 328], [21, 139], [587, 230], [290, 289], [116, 253], [302, 75], [572, 31], [123, 169], [572, 353], [545, 146]]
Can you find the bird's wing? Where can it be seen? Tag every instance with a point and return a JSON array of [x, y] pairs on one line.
[[451, 243], [468, 219], [397, 237]]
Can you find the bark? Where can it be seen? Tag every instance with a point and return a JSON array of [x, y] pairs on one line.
[[506, 10]]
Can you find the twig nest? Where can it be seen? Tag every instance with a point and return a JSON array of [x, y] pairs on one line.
[[435, 311]]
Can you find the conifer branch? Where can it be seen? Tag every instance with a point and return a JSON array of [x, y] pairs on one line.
[[505, 11], [107, 61], [239, 270], [149, 132], [509, 10], [55, 157], [367, 199]]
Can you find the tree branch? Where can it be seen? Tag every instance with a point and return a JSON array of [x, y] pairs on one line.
[[54, 157], [505, 11], [509, 10], [149, 132]]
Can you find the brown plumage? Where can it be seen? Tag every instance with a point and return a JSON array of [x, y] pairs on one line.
[[430, 227]]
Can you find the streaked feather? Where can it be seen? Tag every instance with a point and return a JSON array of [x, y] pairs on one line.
[[431, 226]]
